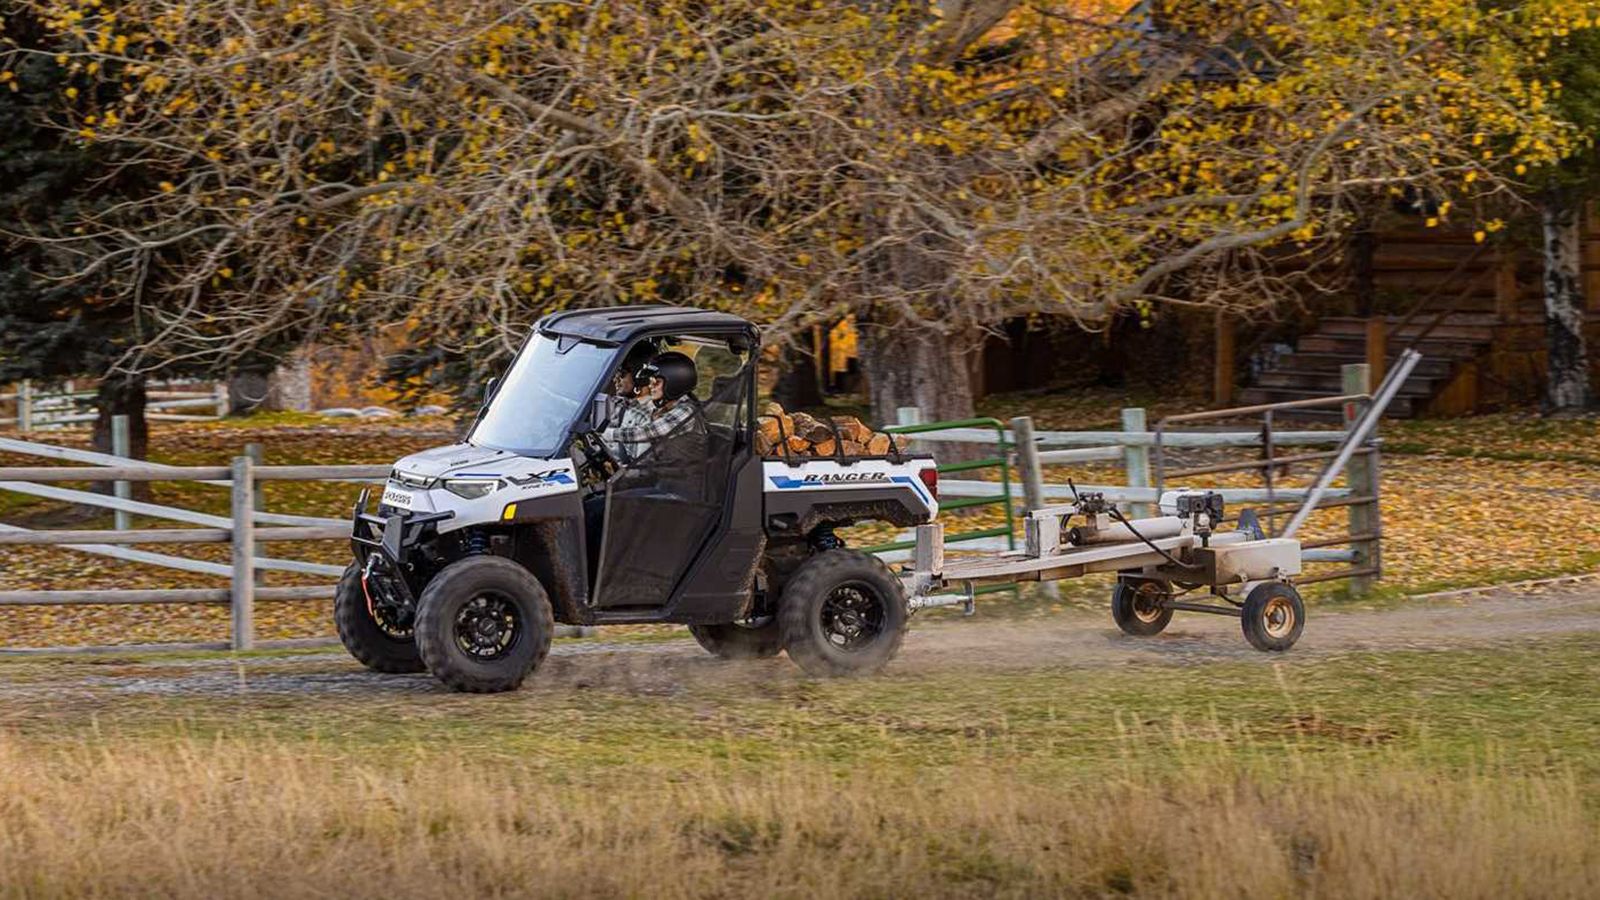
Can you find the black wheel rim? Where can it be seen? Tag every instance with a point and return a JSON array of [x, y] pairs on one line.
[[1146, 603], [487, 627], [853, 616], [394, 623]]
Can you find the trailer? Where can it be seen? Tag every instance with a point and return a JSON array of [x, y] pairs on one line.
[[1173, 562], [1160, 561]]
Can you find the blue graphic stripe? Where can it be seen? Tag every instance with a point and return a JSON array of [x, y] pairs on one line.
[[785, 483], [916, 485], [552, 478]]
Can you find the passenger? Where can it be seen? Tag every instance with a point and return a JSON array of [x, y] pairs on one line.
[[668, 404]]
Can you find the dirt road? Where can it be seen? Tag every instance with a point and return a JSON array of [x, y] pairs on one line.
[[1075, 639]]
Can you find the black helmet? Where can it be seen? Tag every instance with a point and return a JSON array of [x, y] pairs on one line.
[[676, 372], [639, 355]]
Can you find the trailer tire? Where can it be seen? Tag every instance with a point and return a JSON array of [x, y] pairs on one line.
[[366, 639], [737, 640], [1273, 616], [483, 624], [1131, 607], [842, 612]]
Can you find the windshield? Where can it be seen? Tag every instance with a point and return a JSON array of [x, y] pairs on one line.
[[549, 384]]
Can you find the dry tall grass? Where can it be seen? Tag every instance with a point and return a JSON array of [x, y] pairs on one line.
[[213, 819]]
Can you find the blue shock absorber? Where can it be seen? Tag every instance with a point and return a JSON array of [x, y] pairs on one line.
[[477, 542], [823, 539]]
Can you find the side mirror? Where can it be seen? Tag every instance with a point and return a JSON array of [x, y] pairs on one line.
[[601, 411], [489, 387]]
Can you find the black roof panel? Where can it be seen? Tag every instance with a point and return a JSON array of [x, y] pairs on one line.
[[619, 324]]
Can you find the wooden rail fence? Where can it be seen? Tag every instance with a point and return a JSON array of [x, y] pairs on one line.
[[32, 408], [248, 527]]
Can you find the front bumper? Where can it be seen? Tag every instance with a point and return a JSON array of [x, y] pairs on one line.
[[390, 535]]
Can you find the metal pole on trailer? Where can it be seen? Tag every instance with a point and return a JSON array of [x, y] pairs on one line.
[[121, 445], [243, 596], [1356, 436]]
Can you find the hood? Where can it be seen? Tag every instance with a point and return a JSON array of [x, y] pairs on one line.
[[455, 459]]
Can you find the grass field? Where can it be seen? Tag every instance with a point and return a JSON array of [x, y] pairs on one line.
[[1406, 766], [1466, 772]]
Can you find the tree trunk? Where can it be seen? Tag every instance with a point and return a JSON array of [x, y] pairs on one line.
[[913, 365], [1567, 387], [796, 387], [289, 385], [248, 390], [122, 397]]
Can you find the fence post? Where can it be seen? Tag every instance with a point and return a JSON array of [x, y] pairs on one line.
[[1361, 477], [257, 498], [25, 406], [1032, 479], [221, 393], [1136, 458], [121, 445], [244, 576], [910, 415]]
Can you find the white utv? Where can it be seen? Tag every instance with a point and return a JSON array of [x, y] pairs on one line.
[[476, 549]]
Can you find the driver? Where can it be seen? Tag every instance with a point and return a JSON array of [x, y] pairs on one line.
[[631, 411], [667, 381]]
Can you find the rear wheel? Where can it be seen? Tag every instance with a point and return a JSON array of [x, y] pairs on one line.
[[375, 635], [1273, 616], [1136, 606], [483, 624], [756, 637], [842, 613], [750, 639]]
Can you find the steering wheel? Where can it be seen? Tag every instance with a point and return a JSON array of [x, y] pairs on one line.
[[598, 460]]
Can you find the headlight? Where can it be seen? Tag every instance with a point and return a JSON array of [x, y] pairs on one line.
[[471, 488]]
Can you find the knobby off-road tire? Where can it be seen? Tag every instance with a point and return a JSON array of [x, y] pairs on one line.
[[737, 640], [366, 640], [842, 613], [1133, 609], [1273, 616], [483, 624], [757, 639]]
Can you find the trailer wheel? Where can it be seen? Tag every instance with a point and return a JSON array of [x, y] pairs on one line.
[[1135, 607], [842, 613], [1273, 616], [372, 636], [483, 624]]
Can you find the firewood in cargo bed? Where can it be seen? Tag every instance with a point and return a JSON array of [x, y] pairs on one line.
[[807, 435]]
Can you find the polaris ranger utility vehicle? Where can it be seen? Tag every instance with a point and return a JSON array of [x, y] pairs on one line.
[[477, 548]]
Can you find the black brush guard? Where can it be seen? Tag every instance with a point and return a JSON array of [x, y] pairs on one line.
[[390, 536]]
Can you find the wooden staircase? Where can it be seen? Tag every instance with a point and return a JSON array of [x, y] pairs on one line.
[[1312, 370]]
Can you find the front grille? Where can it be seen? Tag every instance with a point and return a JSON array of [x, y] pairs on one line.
[[408, 480]]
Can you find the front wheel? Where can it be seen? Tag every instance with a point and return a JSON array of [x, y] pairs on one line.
[[483, 624], [842, 613], [1273, 616], [379, 637]]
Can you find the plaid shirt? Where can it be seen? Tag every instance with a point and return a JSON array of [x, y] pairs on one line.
[[635, 440]]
